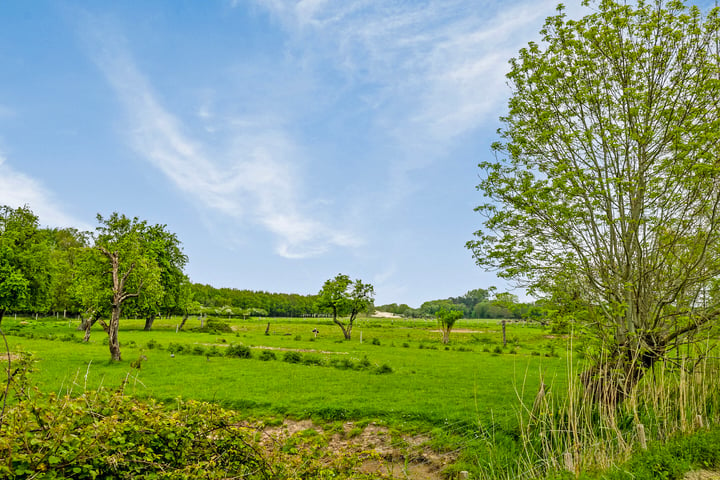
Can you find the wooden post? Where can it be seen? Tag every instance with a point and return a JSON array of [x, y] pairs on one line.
[[504, 337], [568, 460], [699, 421], [641, 436]]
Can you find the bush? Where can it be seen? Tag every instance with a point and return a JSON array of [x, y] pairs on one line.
[[312, 360], [238, 351], [129, 438], [375, 341], [176, 348], [383, 369], [292, 357], [266, 355], [198, 350]]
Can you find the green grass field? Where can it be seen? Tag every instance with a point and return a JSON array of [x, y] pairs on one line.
[[399, 376], [471, 380]]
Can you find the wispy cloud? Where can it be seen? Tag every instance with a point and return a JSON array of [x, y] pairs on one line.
[[18, 189], [430, 71], [437, 66], [250, 178]]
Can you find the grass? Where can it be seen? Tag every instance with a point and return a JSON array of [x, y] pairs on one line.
[[425, 383], [475, 394]]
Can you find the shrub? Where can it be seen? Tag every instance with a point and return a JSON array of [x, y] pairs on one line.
[[145, 439], [292, 357], [198, 350], [375, 341], [151, 344], [312, 360], [266, 355], [176, 348], [238, 351], [383, 369]]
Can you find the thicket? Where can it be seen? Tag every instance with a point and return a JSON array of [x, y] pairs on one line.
[[107, 434]]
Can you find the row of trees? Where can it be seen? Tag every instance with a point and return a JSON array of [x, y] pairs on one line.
[[478, 303], [274, 304]]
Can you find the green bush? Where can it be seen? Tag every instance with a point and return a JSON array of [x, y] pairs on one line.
[[238, 351], [383, 369], [312, 360], [266, 355], [103, 434], [292, 357]]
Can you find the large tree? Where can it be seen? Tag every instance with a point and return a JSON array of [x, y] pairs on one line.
[[119, 266], [604, 190], [24, 273], [345, 298]]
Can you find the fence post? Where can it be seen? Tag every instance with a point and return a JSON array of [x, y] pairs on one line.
[[641, 435], [569, 462]]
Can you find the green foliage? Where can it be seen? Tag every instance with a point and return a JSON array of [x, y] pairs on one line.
[[24, 258], [238, 351], [267, 355], [104, 434], [344, 297], [292, 357], [603, 189]]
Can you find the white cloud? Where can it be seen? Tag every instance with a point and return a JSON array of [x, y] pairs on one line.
[[251, 178], [430, 70], [18, 189]]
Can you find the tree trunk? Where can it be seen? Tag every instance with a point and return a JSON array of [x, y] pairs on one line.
[[182, 324], [2, 314], [446, 336], [346, 331], [149, 320], [113, 328], [87, 324]]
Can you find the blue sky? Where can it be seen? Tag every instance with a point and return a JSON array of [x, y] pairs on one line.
[[282, 141]]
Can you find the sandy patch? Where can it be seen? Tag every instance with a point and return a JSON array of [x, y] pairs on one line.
[[382, 453], [702, 475]]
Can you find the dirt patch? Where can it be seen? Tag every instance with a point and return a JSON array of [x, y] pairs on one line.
[[376, 449], [702, 475], [13, 357]]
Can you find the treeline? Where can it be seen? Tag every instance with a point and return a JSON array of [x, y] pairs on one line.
[[242, 302], [478, 303]]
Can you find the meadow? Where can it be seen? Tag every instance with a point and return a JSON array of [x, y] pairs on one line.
[[393, 402], [394, 372]]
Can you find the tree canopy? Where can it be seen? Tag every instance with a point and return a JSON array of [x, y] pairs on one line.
[[345, 297], [603, 190]]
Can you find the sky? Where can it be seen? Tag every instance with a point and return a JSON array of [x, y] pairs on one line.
[[284, 142]]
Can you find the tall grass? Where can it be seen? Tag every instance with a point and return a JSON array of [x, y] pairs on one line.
[[565, 430]]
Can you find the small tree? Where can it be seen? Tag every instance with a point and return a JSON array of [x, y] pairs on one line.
[[345, 298], [446, 319]]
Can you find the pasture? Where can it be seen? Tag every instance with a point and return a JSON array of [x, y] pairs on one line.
[[393, 373]]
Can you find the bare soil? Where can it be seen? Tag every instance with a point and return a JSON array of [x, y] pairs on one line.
[[379, 451]]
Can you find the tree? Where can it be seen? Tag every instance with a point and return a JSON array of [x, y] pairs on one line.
[[119, 266], [24, 276], [163, 248], [447, 319], [345, 298], [604, 188]]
